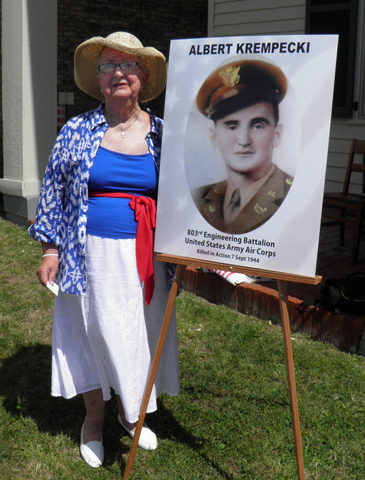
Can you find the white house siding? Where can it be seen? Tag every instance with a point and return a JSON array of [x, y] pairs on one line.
[[269, 17], [255, 17]]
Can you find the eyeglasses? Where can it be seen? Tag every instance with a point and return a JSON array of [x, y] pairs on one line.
[[128, 66]]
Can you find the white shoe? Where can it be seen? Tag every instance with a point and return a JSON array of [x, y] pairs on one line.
[[147, 440], [92, 452]]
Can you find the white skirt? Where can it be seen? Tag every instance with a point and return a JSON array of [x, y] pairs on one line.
[[107, 338]]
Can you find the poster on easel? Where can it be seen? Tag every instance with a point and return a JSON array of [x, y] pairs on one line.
[[244, 150]]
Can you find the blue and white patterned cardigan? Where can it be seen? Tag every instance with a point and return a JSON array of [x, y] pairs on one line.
[[63, 200]]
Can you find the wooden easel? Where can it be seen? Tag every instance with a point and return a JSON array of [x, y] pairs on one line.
[[282, 278]]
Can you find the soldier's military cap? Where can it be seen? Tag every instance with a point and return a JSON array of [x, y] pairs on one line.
[[241, 84]]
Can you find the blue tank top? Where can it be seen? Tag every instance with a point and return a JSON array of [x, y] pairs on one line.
[[117, 172]]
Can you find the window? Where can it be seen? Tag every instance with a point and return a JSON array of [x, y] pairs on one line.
[[338, 16]]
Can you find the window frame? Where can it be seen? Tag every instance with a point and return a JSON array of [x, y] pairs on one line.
[[345, 66]]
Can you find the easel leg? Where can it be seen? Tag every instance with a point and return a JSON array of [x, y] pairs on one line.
[[283, 301], [156, 360]]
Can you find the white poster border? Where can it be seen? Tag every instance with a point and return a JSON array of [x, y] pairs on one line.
[[288, 241]]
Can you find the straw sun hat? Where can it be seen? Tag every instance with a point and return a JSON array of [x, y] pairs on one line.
[[87, 54]]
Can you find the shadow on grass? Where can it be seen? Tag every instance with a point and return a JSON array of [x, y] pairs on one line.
[[165, 426], [25, 382]]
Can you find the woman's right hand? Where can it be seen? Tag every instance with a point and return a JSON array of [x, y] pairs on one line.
[[49, 266]]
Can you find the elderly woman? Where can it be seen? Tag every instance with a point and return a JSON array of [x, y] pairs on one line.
[[95, 219]]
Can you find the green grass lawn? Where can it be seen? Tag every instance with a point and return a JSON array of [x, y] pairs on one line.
[[232, 419]]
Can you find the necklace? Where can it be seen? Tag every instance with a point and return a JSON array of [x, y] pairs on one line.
[[122, 131]]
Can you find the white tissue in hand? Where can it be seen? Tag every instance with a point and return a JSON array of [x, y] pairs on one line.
[[54, 288]]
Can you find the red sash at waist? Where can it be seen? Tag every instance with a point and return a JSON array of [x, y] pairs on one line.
[[145, 215]]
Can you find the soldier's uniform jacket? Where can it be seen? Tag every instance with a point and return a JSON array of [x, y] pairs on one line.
[[209, 200]]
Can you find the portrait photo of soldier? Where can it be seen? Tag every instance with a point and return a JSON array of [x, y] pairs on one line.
[[242, 101]]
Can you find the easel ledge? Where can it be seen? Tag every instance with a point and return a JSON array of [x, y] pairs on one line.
[[287, 277]]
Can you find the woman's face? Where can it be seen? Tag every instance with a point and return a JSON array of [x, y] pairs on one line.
[[118, 84]]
